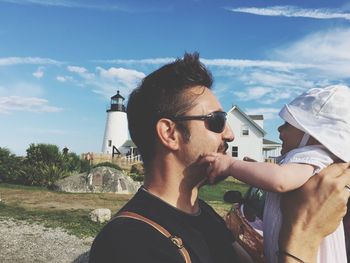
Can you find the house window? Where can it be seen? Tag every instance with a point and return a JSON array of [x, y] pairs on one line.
[[109, 143], [245, 130], [234, 151]]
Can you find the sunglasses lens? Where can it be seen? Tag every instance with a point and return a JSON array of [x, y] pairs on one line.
[[217, 122]]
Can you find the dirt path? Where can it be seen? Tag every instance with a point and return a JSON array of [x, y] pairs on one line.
[[24, 242]]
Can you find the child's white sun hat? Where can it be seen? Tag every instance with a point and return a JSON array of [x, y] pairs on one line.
[[323, 113]]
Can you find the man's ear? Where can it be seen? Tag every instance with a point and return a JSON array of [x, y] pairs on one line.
[[168, 134]]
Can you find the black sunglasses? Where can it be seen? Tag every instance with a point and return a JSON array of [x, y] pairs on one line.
[[216, 121]]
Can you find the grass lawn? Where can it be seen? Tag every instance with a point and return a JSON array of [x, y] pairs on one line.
[[70, 210]]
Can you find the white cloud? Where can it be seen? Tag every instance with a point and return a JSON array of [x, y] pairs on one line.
[[77, 69], [32, 104], [292, 11], [61, 3], [24, 89], [232, 63], [105, 81], [81, 71], [328, 51], [269, 113], [150, 61], [277, 79], [65, 79], [61, 78], [121, 74], [252, 93], [84, 4], [39, 73], [245, 63], [9, 61], [113, 79]]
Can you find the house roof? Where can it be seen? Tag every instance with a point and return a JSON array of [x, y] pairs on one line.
[[235, 107], [266, 141], [257, 117], [129, 143]]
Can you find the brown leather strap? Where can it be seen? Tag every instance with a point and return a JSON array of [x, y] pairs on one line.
[[174, 239]]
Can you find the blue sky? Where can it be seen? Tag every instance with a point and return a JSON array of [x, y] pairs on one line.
[[61, 60]]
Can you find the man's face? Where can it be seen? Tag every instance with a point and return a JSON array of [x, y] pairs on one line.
[[202, 140]]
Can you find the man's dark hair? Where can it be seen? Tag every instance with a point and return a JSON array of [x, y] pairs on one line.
[[162, 94]]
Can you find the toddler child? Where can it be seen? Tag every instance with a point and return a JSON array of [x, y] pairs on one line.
[[315, 134]]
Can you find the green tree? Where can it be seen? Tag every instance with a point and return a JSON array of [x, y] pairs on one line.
[[11, 168], [45, 164], [72, 162]]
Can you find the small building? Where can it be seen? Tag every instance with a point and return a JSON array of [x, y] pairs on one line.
[[249, 136], [271, 149]]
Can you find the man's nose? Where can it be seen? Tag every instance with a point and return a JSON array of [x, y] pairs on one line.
[[227, 134]]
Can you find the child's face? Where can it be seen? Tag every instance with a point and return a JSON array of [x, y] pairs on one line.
[[290, 137]]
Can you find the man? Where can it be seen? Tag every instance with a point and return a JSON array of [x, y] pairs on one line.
[[174, 118]]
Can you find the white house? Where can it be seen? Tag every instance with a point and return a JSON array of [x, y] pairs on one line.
[[249, 136]]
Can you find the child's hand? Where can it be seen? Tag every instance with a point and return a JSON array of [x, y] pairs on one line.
[[248, 159], [218, 166]]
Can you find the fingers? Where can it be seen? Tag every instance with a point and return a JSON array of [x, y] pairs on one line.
[[207, 159], [339, 175], [334, 170]]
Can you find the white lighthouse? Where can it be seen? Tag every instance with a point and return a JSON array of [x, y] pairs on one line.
[[116, 131]]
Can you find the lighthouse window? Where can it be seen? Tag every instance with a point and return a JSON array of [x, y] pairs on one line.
[[109, 143]]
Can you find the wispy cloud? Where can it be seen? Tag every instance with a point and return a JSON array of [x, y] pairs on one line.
[[328, 51], [9, 61], [269, 113], [39, 73], [244, 63], [21, 88], [33, 104], [81, 71], [148, 61], [86, 4], [253, 93], [104, 81], [121, 74], [231, 63], [293, 11]]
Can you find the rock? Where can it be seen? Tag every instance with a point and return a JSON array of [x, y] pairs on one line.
[[100, 180], [100, 215]]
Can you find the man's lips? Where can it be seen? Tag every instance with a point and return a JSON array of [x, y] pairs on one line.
[[223, 148]]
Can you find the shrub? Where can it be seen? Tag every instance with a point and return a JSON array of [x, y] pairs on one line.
[[108, 164], [11, 167], [71, 162], [137, 177], [137, 168], [45, 164], [137, 172], [85, 166]]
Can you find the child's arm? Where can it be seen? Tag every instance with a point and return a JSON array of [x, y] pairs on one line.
[[268, 176]]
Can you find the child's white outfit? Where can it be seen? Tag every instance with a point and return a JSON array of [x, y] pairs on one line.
[[332, 248], [324, 114]]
